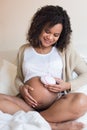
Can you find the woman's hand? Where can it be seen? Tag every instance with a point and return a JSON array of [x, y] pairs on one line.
[[24, 90], [59, 87]]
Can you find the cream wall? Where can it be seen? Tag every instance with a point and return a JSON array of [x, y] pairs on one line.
[[15, 17]]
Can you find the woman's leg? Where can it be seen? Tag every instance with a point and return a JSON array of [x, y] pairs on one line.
[[69, 125], [8, 107], [69, 107], [12, 104]]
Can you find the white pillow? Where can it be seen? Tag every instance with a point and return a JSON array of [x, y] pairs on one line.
[[7, 76]]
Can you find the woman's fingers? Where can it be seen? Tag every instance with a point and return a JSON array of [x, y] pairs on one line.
[[30, 102], [27, 97]]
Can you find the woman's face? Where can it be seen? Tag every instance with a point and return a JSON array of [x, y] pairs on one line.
[[50, 36]]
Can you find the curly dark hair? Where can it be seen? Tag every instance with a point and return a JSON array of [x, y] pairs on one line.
[[51, 15]]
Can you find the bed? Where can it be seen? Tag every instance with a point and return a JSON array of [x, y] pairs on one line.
[[21, 120]]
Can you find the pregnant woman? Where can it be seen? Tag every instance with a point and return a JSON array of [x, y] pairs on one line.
[[49, 53]]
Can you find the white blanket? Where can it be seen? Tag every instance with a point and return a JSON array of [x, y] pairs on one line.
[[23, 121]]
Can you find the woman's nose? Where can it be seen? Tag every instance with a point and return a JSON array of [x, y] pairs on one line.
[[50, 37]]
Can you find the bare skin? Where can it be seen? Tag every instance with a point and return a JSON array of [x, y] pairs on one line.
[[66, 108], [70, 125], [42, 95], [62, 110], [57, 114], [11, 104]]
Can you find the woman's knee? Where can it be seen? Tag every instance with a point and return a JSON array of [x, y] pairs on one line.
[[78, 103], [80, 99]]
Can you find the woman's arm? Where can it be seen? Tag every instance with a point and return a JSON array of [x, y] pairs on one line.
[[74, 62], [19, 76]]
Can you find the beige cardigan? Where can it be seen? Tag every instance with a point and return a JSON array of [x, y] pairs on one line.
[[71, 62]]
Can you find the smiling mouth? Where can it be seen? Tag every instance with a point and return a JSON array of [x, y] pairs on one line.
[[47, 41]]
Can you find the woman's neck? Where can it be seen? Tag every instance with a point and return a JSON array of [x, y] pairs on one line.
[[43, 50]]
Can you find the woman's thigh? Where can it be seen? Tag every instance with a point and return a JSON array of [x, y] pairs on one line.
[[68, 107], [8, 106], [12, 104]]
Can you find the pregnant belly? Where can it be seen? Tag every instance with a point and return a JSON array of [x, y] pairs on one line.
[[41, 94]]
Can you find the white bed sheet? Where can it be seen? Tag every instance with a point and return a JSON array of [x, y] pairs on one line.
[[23, 121]]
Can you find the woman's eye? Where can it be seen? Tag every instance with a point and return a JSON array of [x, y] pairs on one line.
[[47, 31], [56, 35]]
